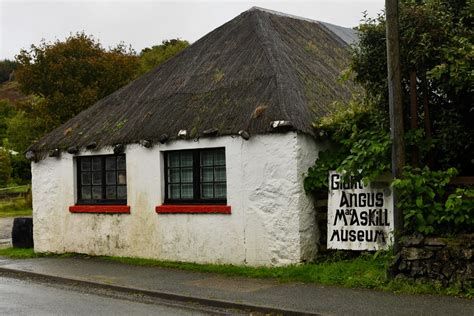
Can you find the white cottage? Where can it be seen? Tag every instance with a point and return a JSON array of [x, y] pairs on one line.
[[201, 159]]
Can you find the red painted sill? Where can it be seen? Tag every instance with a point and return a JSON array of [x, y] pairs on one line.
[[190, 209], [111, 209]]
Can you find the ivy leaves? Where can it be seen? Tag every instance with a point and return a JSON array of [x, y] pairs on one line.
[[361, 145], [427, 208]]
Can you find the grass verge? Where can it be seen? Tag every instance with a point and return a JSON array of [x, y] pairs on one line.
[[366, 271], [19, 253], [15, 207], [28, 253]]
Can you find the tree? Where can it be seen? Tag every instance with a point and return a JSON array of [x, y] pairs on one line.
[[6, 112], [30, 113], [6, 68], [5, 167], [437, 60], [158, 54], [73, 74]]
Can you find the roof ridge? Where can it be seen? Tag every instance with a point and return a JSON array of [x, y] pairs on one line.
[[271, 55], [340, 31], [286, 78], [257, 8]]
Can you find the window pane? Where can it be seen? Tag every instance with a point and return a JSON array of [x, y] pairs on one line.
[[111, 192], [121, 192], [96, 192], [122, 177], [219, 173], [186, 159], [207, 158], [174, 191], [173, 175], [207, 191], [110, 177], [121, 163], [111, 163], [96, 163], [85, 164], [86, 193], [187, 175], [207, 174], [220, 190], [86, 178], [187, 191], [173, 160], [96, 177], [219, 157]]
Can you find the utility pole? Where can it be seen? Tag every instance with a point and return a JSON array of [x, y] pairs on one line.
[[395, 105]]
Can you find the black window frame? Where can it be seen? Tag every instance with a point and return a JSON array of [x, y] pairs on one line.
[[196, 179], [103, 170]]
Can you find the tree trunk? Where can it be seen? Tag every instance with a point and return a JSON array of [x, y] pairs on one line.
[[427, 121], [415, 158]]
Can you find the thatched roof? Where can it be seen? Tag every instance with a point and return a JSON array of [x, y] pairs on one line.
[[260, 67]]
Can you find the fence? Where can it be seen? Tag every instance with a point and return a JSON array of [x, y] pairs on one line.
[[16, 192]]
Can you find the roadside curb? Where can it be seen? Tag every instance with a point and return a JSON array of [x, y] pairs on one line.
[[158, 294]]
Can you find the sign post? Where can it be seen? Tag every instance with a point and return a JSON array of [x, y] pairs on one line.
[[395, 101]]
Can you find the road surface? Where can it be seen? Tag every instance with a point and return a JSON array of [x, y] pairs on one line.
[[28, 297]]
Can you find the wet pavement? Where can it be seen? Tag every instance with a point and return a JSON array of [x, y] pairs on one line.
[[25, 297], [6, 224], [233, 291]]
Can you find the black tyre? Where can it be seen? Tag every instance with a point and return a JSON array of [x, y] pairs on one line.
[[22, 232]]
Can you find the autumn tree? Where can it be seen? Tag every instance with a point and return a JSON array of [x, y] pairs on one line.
[[73, 74]]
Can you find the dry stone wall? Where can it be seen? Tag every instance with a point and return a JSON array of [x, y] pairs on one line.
[[436, 259]]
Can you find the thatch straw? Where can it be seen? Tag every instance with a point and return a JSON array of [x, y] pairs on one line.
[[257, 68]]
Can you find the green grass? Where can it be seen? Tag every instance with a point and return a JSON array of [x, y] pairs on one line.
[[19, 253], [15, 207], [366, 271], [29, 253]]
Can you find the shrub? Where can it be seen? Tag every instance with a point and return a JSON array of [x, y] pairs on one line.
[[427, 205]]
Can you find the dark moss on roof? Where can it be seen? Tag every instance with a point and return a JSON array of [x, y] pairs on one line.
[[257, 68]]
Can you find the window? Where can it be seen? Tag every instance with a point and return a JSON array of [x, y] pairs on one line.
[[102, 179], [195, 176]]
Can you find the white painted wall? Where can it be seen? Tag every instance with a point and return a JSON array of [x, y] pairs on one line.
[[272, 220]]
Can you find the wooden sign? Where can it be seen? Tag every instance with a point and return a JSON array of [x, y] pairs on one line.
[[359, 217]]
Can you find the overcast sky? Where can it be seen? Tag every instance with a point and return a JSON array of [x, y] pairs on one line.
[[146, 23]]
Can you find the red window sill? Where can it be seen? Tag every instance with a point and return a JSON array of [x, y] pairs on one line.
[[190, 209], [110, 209]]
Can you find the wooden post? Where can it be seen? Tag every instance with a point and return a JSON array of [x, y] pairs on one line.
[[395, 105]]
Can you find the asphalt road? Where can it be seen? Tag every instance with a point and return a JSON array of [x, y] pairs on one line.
[[28, 297]]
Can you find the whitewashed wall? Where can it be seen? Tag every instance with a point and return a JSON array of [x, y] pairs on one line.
[[272, 220]]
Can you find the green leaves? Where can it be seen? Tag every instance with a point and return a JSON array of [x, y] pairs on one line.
[[361, 145], [158, 54], [436, 41], [426, 206]]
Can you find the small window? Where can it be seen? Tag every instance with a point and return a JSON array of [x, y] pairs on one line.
[[102, 179], [195, 176]]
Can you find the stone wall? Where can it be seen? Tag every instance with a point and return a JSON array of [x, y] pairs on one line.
[[436, 259]]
